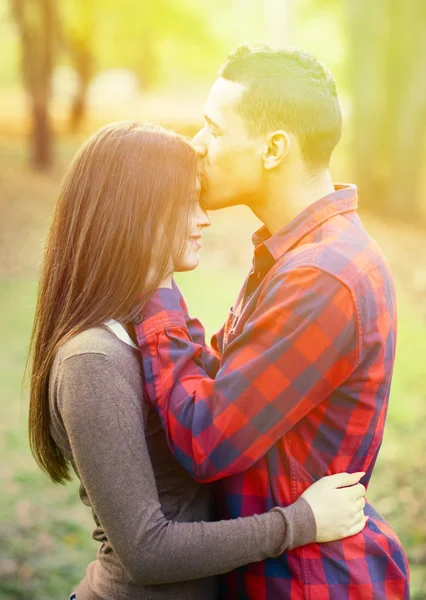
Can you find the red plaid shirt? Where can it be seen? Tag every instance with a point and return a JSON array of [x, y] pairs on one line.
[[295, 387]]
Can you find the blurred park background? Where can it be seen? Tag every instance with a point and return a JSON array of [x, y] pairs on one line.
[[69, 66]]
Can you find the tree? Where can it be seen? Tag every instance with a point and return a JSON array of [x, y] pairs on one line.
[[78, 42], [96, 35], [388, 79], [36, 21]]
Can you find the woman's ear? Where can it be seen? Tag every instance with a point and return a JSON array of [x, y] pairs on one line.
[[277, 146]]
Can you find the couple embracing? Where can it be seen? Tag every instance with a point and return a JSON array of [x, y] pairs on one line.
[[238, 469]]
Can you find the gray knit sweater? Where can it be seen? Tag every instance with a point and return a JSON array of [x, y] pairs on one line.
[[151, 518]]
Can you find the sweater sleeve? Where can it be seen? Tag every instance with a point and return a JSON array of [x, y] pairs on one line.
[[103, 418]]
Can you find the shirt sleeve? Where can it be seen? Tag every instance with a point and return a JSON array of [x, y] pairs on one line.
[[297, 347], [210, 355], [103, 419]]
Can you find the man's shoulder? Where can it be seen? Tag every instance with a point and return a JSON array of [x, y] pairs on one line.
[[341, 249]]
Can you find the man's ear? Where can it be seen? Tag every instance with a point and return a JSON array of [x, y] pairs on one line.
[[277, 146]]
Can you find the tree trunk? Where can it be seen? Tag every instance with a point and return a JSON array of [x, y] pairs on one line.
[[37, 53], [77, 42], [82, 60], [407, 153], [41, 136], [366, 27], [387, 61], [78, 107]]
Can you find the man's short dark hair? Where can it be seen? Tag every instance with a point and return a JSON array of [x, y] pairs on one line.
[[288, 89]]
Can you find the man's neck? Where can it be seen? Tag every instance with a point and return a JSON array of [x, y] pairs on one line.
[[287, 199]]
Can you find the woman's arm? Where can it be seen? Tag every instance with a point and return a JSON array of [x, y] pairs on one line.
[[103, 418]]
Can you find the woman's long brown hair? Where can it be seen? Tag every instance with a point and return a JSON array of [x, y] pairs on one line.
[[124, 203]]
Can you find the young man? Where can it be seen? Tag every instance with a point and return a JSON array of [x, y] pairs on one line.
[[297, 382]]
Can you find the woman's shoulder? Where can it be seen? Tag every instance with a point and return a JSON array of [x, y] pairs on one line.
[[98, 345], [96, 340], [94, 371]]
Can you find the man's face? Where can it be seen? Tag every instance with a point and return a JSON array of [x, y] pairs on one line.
[[232, 166]]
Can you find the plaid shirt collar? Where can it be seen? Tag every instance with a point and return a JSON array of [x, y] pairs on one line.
[[343, 199]]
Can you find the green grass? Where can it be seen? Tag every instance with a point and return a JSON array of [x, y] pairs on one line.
[[45, 542], [46, 530]]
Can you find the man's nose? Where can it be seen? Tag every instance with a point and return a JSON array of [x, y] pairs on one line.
[[199, 149], [198, 144]]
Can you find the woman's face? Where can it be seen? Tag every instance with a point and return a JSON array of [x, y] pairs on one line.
[[198, 220]]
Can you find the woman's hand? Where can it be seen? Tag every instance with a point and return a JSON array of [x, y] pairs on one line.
[[337, 502]]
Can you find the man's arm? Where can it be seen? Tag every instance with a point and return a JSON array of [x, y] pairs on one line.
[[210, 354], [297, 347]]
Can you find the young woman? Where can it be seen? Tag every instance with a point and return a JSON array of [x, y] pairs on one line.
[[126, 216]]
